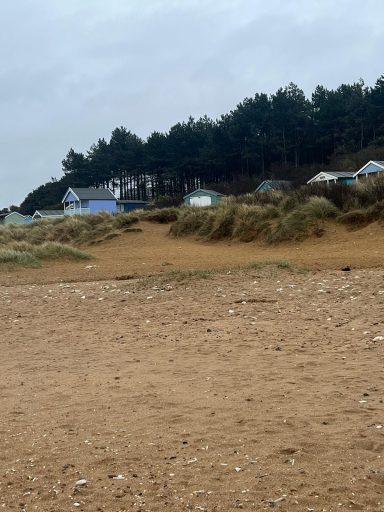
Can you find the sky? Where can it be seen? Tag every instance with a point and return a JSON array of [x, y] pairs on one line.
[[73, 70]]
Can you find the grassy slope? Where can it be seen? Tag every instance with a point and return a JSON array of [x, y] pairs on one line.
[[276, 217], [29, 244], [272, 218]]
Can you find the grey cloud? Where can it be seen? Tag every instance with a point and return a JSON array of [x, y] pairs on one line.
[[72, 71]]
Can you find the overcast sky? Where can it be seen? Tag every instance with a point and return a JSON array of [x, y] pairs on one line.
[[73, 70]]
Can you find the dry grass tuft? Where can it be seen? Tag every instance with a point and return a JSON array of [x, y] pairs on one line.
[[12, 257], [28, 255]]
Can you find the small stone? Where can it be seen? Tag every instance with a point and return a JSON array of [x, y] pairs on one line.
[[378, 338], [274, 503], [81, 482]]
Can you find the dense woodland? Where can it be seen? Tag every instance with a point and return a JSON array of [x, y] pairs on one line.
[[283, 135]]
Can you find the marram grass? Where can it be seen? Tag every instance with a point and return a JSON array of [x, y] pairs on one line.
[[23, 254], [247, 222], [11, 257]]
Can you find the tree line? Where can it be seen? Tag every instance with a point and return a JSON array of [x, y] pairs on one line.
[[282, 135]]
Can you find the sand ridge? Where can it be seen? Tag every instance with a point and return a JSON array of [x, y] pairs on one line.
[[154, 251]]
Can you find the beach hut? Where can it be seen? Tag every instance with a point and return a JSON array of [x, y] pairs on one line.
[[328, 177], [47, 214], [203, 197], [127, 205], [85, 201], [268, 185], [12, 218], [372, 168]]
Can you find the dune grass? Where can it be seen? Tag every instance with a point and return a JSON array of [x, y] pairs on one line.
[[82, 230], [12, 257], [55, 250], [28, 255], [272, 217], [76, 230], [291, 215], [247, 222], [60, 239]]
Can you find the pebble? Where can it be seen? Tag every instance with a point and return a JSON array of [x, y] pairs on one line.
[[273, 503], [81, 482]]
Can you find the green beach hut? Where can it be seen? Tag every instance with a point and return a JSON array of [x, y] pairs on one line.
[[203, 197], [12, 218]]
